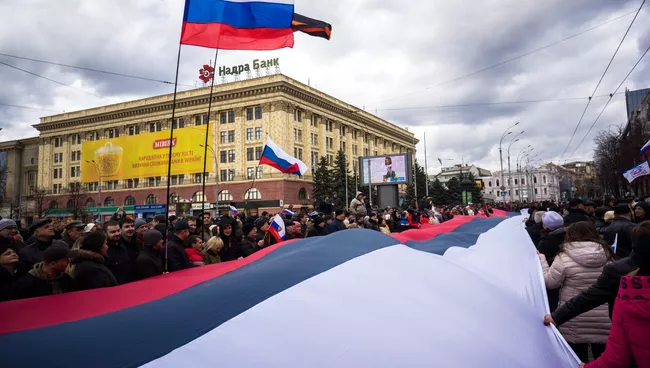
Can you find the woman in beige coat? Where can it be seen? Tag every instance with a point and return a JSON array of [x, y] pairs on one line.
[[576, 267]]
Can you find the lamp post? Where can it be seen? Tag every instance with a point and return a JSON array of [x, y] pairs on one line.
[[514, 140], [531, 180], [99, 186], [216, 177], [506, 133], [522, 154]]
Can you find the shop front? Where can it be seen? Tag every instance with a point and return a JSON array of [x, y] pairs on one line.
[[149, 211], [99, 214]]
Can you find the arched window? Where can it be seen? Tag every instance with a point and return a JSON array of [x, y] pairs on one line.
[[173, 198], [489, 184], [515, 181], [225, 196], [498, 182], [109, 201], [252, 193], [53, 205], [544, 179], [534, 179], [90, 203], [303, 195], [545, 191], [70, 204], [129, 201], [151, 199], [198, 197]]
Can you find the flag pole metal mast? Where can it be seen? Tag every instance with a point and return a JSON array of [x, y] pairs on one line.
[[205, 146]]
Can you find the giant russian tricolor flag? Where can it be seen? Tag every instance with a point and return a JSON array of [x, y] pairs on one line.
[[274, 156], [465, 293]]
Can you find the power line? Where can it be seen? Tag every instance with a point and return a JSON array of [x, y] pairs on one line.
[[27, 107], [94, 70], [51, 80], [527, 53], [601, 78], [610, 99]]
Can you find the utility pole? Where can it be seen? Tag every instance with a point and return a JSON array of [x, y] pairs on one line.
[[506, 133]]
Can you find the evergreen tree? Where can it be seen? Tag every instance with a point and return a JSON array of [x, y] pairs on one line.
[[340, 170], [322, 181], [477, 194], [439, 193], [420, 177], [453, 190]]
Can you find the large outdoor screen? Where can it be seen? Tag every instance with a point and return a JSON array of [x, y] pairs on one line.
[[385, 170]]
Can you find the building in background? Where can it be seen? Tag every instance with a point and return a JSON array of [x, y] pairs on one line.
[[578, 180], [301, 120], [634, 99], [531, 184], [18, 179], [454, 172]]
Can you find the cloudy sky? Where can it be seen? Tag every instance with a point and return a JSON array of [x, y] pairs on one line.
[[400, 60]]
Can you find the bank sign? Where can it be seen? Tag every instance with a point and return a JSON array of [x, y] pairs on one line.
[[243, 68]]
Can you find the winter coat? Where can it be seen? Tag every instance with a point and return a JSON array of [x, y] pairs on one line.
[[68, 240], [249, 246], [38, 283], [195, 256], [132, 246], [120, 263], [550, 241], [231, 248], [16, 245], [177, 259], [7, 280], [33, 253], [90, 271], [623, 228], [574, 216], [358, 207], [603, 291], [646, 217], [148, 264], [372, 225], [628, 342], [336, 225], [535, 233], [317, 231], [574, 270], [210, 258]]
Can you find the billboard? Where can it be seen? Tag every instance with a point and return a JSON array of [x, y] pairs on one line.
[[144, 155], [385, 170]]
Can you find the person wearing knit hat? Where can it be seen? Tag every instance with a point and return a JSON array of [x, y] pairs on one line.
[[140, 227], [249, 244], [90, 272], [47, 277], [9, 235], [552, 220], [149, 262], [262, 225], [319, 228]]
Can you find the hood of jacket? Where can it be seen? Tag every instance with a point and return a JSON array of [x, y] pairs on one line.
[[79, 255], [587, 254], [646, 208], [39, 273]]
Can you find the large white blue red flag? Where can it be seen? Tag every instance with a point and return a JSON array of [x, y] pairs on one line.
[[274, 156], [465, 293]]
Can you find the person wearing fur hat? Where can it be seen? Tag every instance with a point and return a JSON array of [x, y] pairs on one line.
[[231, 244], [9, 235], [248, 243], [89, 269], [47, 277], [149, 262]]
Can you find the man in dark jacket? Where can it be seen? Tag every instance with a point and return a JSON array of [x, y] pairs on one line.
[[44, 235], [606, 287], [118, 260], [600, 218], [335, 203], [89, 269], [9, 236], [319, 228], [149, 262], [641, 212], [231, 244], [47, 277], [576, 213], [620, 231], [249, 243], [176, 257], [128, 238], [262, 226], [58, 226], [73, 231], [337, 224]]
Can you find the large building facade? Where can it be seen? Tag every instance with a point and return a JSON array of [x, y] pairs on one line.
[[301, 120], [531, 184], [18, 180]]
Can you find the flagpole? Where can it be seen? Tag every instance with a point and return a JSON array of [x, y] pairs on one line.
[[205, 146], [169, 159], [426, 167]]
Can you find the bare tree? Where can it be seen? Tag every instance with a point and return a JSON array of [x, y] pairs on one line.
[[76, 199], [39, 194]]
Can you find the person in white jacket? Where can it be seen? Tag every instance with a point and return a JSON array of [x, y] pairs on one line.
[[577, 266]]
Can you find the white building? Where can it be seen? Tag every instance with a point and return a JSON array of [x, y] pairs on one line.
[[531, 184], [454, 171]]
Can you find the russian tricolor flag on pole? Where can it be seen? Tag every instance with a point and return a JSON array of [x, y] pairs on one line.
[[234, 210], [275, 157], [277, 228], [238, 24], [645, 150], [288, 212]]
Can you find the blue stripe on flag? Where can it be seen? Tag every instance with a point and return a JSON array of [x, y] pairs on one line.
[[239, 14], [464, 236]]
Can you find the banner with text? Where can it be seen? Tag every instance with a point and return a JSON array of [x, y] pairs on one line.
[[144, 155]]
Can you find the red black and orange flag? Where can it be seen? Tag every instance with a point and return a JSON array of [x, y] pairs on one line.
[[311, 26]]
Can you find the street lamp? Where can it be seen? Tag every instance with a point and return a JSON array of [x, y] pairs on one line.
[[506, 133], [522, 154], [514, 140], [216, 176], [99, 186]]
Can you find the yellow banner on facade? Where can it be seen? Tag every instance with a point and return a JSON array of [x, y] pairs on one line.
[[144, 155]]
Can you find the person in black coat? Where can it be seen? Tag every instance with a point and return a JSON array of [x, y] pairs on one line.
[[44, 235], [47, 277], [89, 271], [73, 231], [641, 212], [149, 262], [249, 242], [576, 213], [9, 235], [337, 224], [119, 260], [128, 238], [231, 244], [10, 271], [319, 228], [174, 251], [620, 231], [600, 218]]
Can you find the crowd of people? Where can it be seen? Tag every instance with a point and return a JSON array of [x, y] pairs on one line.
[[595, 255]]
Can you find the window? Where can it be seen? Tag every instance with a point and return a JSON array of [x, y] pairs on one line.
[[366, 152], [535, 190], [249, 134], [231, 136], [314, 138], [231, 175], [516, 181], [258, 174], [223, 157], [534, 180], [354, 134], [92, 136], [314, 121], [70, 204], [75, 171], [253, 193], [158, 180], [330, 159], [152, 182], [197, 178], [258, 112], [225, 196], [89, 203], [385, 145], [57, 142], [223, 117], [155, 127], [250, 173], [330, 142], [299, 135], [76, 155], [342, 130], [201, 119], [178, 123], [56, 173], [198, 197], [365, 138], [545, 192], [132, 183], [489, 184], [223, 137], [134, 129], [355, 149], [523, 181], [329, 126], [303, 195], [498, 182], [151, 199], [516, 192], [376, 141], [297, 115], [258, 133], [129, 201], [249, 114], [53, 205], [343, 147], [314, 159], [250, 154], [231, 155], [173, 198], [109, 185], [56, 158], [544, 180], [76, 139], [297, 153], [223, 175], [113, 133], [258, 152], [92, 187], [109, 202]]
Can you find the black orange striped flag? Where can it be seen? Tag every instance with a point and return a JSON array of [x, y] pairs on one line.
[[311, 26]]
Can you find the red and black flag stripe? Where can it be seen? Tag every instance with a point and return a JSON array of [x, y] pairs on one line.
[[311, 26]]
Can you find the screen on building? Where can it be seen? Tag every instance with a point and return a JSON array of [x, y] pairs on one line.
[[389, 169]]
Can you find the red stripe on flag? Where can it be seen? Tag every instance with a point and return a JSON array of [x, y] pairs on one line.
[[225, 37]]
